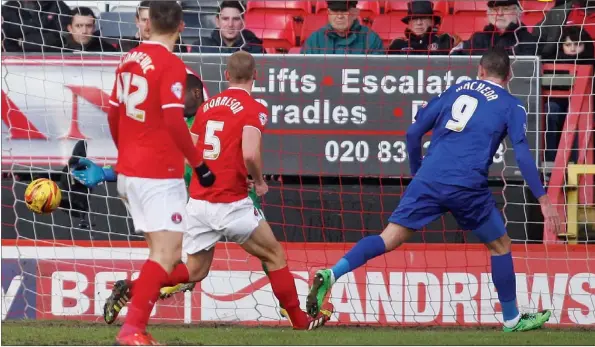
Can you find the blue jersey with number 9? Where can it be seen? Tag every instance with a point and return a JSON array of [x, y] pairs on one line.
[[469, 121]]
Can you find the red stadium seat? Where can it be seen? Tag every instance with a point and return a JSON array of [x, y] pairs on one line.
[[531, 19], [395, 6], [295, 50], [321, 6], [463, 26], [311, 24], [276, 30], [469, 7], [534, 11], [388, 28], [536, 6], [295, 8]]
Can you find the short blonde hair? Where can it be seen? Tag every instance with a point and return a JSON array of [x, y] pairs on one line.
[[241, 66]]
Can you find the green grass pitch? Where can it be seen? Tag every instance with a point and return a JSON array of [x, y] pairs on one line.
[[78, 333]]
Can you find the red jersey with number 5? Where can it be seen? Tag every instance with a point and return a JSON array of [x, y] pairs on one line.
[[219, 124], [149, 79]]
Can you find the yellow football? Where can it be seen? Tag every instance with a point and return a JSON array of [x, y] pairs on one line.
[[43, 196]]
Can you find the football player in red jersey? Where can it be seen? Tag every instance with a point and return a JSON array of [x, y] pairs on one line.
[[228, 128], [146, 121]]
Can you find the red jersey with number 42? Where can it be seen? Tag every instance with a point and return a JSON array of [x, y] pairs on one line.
[[219, 124], [149, 79]]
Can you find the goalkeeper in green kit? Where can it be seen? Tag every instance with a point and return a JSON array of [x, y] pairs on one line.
[[121, 293]]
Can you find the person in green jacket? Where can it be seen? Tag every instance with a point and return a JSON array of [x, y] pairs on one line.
[[194, 98], [344, 34]]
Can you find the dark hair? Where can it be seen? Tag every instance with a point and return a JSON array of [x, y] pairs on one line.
[[231, 4], [496, 63], [82, 11], [193, 82], [165, 16], [144, 5], [575, 34]]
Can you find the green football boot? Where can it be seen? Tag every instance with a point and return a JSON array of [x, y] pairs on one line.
[[320, 287], [530, 321]]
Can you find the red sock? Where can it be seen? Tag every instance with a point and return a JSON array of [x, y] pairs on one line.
[[179, 275], [152, 278], [284, 289]]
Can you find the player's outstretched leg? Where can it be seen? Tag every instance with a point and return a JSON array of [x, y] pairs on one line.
[[197, 267], [263, 245], [123, 291], [165, 252], [367, 248], [282, 311], [493, 233]]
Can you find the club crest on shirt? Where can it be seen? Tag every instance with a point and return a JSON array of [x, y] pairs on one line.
[[263, 118], [176, 218], [433, 47], [176, 88]]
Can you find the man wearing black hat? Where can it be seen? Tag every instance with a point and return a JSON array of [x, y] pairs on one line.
[[505, 30], [420, 36], [344, 34]]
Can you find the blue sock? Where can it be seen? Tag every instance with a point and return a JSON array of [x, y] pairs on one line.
[[505, 283], [367, 248]]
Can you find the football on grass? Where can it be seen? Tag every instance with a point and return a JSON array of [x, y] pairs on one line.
[[43, 196]]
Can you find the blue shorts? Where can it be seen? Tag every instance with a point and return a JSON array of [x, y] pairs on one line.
[[474, 209]]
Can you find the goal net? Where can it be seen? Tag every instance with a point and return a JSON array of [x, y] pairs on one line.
[[336, 162]]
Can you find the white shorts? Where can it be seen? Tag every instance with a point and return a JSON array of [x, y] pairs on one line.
[[154, 204], [208, 222]]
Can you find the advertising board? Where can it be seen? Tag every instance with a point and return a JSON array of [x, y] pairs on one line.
[[417, 285], [328, 115]]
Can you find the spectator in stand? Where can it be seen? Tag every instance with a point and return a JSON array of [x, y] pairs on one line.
[[505, 31], [34, 26], [142, 20], [421, 36], [568, 12], [344, 34], [230, 36], [81, 33], [576, 47]]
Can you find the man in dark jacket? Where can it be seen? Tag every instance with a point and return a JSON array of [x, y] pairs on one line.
[[80, 33], [230, 35], [33, 26], [505, 30], [420, 36]]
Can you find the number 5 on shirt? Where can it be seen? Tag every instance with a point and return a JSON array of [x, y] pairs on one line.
[[212, 140]]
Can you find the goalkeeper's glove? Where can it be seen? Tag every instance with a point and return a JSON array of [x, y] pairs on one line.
[[91, 174], [205, 177]]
